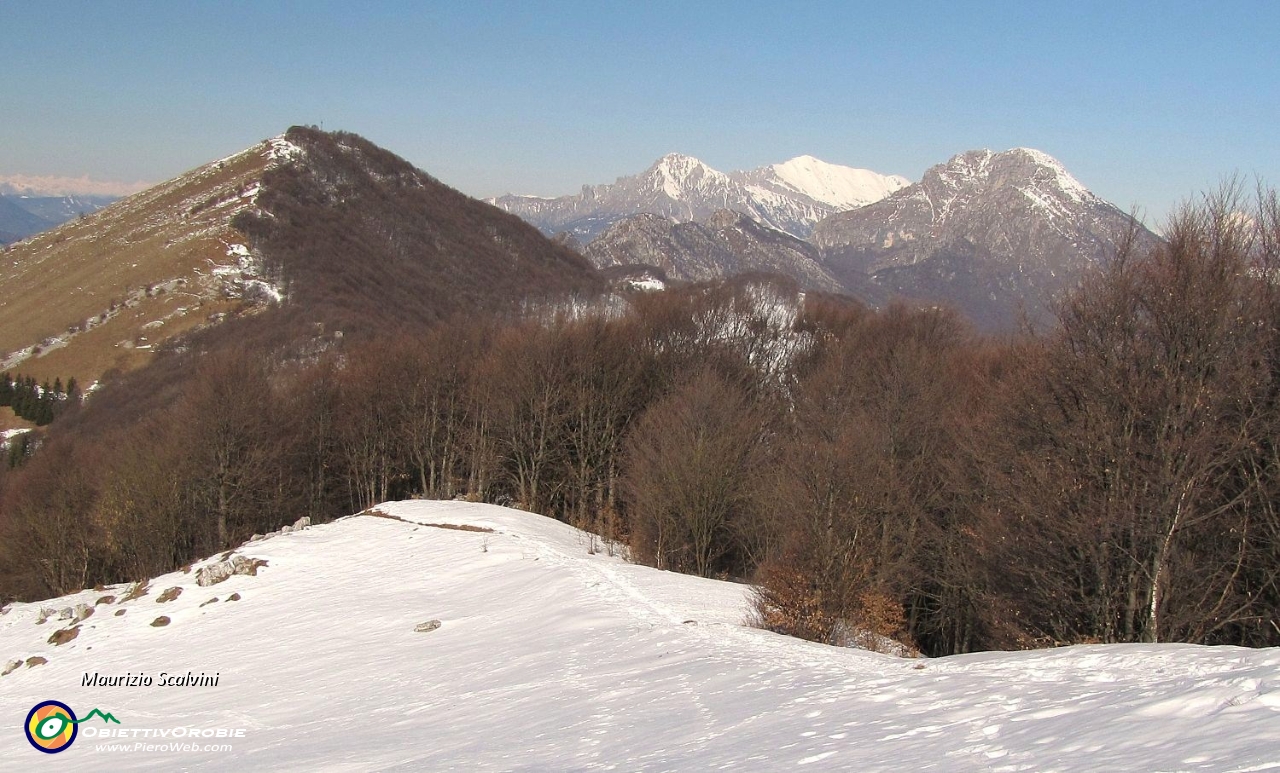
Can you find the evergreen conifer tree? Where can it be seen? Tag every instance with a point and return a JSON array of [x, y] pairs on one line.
[[21, 397], [17, 450], [43, 413]]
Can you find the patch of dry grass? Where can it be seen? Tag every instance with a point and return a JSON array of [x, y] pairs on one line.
[[454, 526], [64, 635], [136, 591], [10, 420], [459, 527]]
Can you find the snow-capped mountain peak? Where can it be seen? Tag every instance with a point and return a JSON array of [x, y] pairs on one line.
[[679, 164], [679, 176], [841, 187], [1033, 169], [1055, 173]]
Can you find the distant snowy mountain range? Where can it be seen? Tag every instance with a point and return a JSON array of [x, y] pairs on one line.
[[791, 197], [995, 235]]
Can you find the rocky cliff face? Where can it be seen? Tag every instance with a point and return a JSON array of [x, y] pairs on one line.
[[725, 244]]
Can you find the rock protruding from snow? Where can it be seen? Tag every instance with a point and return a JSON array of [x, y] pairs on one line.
[[219, 571], [62, 636], [302, 523]]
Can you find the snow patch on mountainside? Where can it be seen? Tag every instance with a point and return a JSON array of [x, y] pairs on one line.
[[281, 150], [1065, 183]]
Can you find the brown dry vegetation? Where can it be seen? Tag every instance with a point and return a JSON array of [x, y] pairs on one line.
[[60, 280], [460, 527], [368, 244], [64, 635], [9, 421]]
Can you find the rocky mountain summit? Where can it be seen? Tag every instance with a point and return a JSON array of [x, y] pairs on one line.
[[994, 234]]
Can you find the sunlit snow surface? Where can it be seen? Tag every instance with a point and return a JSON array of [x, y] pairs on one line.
[[549, 658], [837, 186]]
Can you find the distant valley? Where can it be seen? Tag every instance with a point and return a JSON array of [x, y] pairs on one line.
[[25, 215]]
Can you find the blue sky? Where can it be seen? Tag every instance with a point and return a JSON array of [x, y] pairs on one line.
[[1146, 103]]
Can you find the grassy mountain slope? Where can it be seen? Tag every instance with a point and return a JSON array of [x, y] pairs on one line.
[[103, 291]]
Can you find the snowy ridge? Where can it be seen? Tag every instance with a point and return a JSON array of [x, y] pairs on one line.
[[539, 651], [725, 243], [790, 197]]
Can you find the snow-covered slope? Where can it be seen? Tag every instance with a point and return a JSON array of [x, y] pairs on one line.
[[790, 197], [548, 657]]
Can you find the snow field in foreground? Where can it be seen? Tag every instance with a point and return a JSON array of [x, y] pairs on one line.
[[551, 658]]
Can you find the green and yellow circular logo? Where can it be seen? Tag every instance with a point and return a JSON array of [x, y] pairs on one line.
[[51, 726]]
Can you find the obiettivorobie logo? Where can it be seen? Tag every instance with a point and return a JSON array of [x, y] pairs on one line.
[[52, 726]]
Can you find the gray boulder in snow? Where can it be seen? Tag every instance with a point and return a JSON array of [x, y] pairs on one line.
[[217, 572]]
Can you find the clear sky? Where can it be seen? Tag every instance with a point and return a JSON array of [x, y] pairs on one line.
[[1146, 103]]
